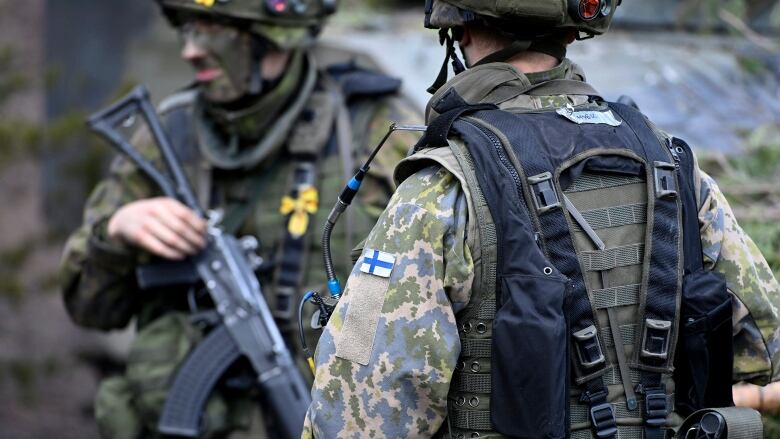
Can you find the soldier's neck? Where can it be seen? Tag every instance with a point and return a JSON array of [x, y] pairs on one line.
[[533, 62]]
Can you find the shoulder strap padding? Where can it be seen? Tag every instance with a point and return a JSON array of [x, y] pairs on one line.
[[182, 98], [451, 106], [358, 82], [176, 112]]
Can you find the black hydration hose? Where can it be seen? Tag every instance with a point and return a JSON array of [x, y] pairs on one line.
[[343, 202]]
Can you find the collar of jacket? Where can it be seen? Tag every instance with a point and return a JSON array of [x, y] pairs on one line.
[[497, 82], [243, 138]]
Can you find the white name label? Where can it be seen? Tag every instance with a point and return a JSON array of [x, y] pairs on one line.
[[589, 117]]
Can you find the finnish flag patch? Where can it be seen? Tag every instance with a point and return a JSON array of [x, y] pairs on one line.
[[377, 263]]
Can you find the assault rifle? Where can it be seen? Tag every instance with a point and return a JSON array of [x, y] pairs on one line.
[[246, 327]]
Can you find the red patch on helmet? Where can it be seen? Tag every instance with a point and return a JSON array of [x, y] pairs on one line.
[[589, 9], [277, 6]]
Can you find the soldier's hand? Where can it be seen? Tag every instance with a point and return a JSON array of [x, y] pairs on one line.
[[162, 226]]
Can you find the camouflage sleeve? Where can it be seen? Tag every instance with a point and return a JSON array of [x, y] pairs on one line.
[[729, 250], [97, 274], [400, 390]]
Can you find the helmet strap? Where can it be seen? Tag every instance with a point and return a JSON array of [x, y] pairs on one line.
[[448, 40]]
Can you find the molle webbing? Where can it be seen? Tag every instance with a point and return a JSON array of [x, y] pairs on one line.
[[471, 382], [627, 333], [471, 419], [579, 413], [471, 347], [589, 182], [623, 432], [616, 296], [613, 378], [616, 216], [603, 260]]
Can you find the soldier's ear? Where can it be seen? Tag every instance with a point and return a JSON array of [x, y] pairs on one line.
[[465, 36], [569, 37]]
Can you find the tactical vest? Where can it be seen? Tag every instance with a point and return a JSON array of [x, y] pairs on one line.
[[318, 152], [591, 314]]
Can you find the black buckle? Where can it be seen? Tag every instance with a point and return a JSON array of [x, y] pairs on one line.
[[545, 197], [588, 348], [655, 341], [602, 418], [665, 180], [656, 409]]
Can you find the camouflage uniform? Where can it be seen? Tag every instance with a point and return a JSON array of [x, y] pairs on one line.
[[398, 386], [99, 284]]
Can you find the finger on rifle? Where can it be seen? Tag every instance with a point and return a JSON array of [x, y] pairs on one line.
[[168, 237], [148, 241], [188, 215], [183, 229]]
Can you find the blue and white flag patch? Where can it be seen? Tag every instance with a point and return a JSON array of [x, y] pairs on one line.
[[377, 263]]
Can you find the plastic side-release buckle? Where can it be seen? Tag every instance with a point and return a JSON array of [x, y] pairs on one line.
[[545, 197], [589, 350], [602, 417], [655, 340], [665, 180], [656, 408]]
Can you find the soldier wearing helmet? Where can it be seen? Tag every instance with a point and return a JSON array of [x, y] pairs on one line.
[[552, 265], [273, 123]]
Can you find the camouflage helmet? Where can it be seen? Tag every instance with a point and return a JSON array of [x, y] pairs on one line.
[[286, 23], [524, 18]]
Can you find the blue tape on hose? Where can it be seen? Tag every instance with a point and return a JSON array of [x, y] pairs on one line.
[[354, 184], [334, 286]]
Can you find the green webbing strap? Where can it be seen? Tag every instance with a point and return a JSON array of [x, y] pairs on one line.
[[590, 182], [741, 423], [616, 216], [604, 260], [612, 377], [620, 354], [616, 296], [627, 334]]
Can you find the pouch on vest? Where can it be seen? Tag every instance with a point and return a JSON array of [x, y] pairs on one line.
[[530, 329], [705, 353]]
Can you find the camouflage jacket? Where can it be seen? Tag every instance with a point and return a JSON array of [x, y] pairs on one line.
[[399, 384], [98, 274]]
